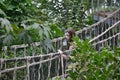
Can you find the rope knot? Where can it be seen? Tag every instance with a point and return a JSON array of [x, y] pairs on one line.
[[28, 58]]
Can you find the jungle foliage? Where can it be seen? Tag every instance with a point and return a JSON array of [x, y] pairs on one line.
[[26, 21], [89, 64]]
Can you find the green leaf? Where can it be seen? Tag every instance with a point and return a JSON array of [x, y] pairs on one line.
[[8, 39], [6, 25], [2, 12]]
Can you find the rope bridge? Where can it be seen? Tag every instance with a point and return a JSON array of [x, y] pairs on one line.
[[27, 62]]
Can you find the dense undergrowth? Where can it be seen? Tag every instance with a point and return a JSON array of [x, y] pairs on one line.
[[89, 64]]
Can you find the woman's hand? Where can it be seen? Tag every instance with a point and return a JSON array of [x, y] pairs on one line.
[[61, 52], [63, 55]]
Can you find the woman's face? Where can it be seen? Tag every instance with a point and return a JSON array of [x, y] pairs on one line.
[[67, 35]]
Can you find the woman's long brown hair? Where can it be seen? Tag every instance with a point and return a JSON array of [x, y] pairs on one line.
[[71, 33]]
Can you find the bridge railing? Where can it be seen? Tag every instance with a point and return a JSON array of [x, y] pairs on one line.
[[110, 42], [112, 35], [99, 27], [41, 67]]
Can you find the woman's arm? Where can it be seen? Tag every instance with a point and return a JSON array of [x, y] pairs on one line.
[[63, 55]]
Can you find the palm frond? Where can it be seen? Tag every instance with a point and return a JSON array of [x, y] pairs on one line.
[[6, 25], [2, 13], [8, 39]]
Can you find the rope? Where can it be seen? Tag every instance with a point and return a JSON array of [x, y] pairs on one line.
[[58, 67], [39, 68], [33, 60], [1, 62], [30, 57], [62, 65], [105, 32], [34, 57], [101, 21], [49, 67], [27, 67], [32, 64], [15, 65], [106, 39]]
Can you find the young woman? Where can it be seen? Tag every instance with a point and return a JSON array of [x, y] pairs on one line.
[[68, 35]]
